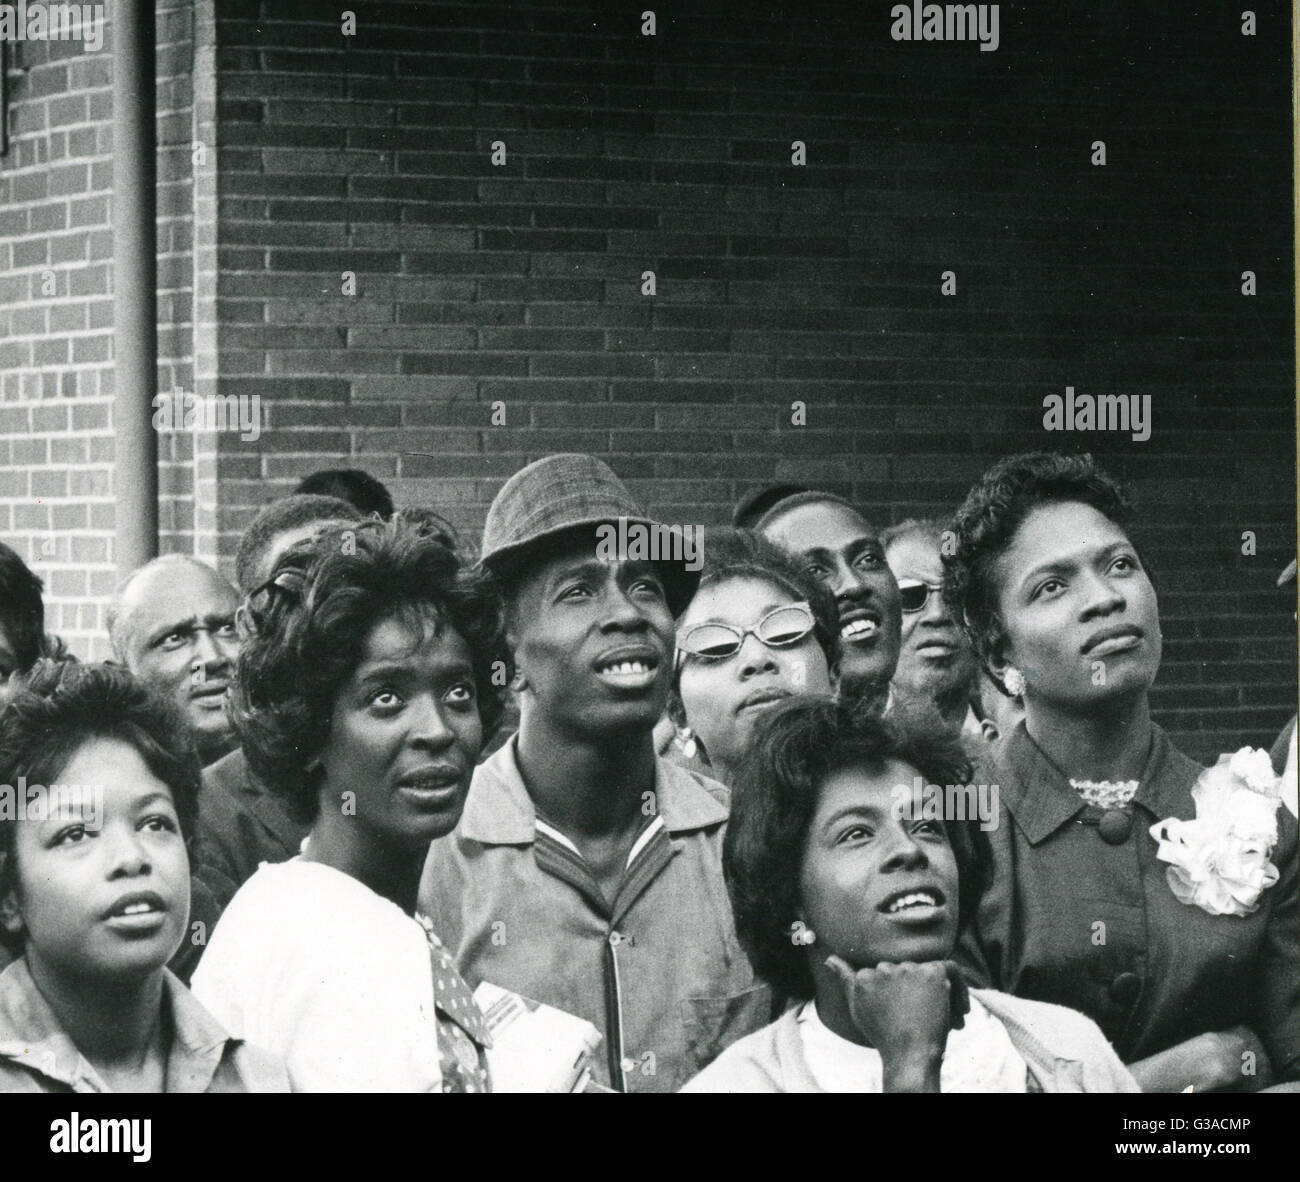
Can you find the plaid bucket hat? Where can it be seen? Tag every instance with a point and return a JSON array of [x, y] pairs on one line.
[[565, 492]]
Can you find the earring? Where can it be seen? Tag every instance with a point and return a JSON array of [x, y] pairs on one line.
[[685, 740], [1014, 680]]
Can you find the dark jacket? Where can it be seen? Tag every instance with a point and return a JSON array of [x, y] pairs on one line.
[[1077, 920], [241, 825]]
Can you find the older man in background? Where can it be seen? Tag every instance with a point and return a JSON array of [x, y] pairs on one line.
[[936, 665], [172, 623]]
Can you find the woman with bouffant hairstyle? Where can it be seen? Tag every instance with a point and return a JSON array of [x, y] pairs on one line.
[[372, 665]]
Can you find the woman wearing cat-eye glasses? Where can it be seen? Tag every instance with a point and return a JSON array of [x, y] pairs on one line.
[[756, 632]]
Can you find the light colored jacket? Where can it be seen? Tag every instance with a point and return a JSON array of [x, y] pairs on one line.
[[36, 1054], [657, 969], [1063, 1050]]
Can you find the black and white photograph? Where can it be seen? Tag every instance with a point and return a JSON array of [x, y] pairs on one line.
[[576, 546]]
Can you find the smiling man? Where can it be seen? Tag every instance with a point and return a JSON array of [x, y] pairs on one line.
[[831, 541], [936, 664], [172, 623], [586, 872]]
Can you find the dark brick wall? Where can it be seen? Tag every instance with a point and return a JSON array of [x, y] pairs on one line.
[[520, 284], [777, 283]]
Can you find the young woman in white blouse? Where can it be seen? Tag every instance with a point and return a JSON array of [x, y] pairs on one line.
[[848, 892], [364, 690]]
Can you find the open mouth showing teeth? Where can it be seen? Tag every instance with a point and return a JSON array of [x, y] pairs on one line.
[[627, 667], [859, 630], [909, 901], [136, 909]]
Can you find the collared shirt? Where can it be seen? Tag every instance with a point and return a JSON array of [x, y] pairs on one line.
[[657, 969], [1009, 1045], [36, 1055], [1080, 913]]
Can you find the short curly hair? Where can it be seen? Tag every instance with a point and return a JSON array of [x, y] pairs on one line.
[[57, 707], [304, 633], [22, 611], [990, 516], [291, 512], [802, 741]]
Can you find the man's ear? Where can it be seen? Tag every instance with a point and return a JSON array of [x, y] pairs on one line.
[[519, 681], [989, 729]]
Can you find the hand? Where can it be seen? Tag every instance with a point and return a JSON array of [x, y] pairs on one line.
[[1242, 1063], [1209, 1062], [905, 1011]]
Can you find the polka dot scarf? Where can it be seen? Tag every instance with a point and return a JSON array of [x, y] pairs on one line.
[[462, 1030]]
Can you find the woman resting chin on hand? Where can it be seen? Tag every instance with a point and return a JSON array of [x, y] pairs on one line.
[[849, 898]]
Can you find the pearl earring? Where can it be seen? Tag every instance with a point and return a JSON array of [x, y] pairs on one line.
[[1014, 680], [685, 740]]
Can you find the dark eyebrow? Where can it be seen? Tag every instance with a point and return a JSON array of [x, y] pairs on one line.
[[1071, 562], [587, 567], [218, 620], [864, 811], [154, 798], [165, 630], [367, 674]]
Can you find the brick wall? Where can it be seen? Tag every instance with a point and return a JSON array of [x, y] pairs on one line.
[[519, 284], [56, 378]]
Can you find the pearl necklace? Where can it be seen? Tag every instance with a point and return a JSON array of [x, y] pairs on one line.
[[1106, 794]]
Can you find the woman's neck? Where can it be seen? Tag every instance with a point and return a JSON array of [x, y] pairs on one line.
[[115, 1024], [591, 787], [1108, 743], [342, 844]]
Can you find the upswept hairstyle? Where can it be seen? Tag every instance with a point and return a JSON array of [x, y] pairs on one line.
[[802, 741], [22, 612], [430, 522], [304, 632], [990, 515], [49, 713], [742, 554]]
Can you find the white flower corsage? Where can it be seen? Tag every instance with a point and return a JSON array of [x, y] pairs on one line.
[[1219, 861]]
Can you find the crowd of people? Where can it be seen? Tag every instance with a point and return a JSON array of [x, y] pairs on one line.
[[721, 813]]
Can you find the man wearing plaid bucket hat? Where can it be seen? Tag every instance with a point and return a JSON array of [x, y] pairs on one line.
[[586, 872]]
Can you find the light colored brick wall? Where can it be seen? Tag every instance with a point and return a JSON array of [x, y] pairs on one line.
[[56, 506]]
